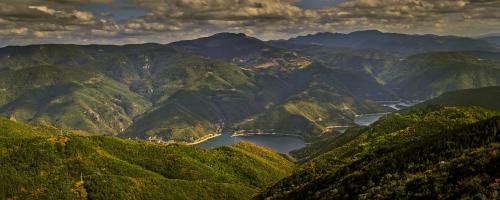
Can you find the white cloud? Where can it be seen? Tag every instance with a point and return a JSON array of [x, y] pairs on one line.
[[43, 9]]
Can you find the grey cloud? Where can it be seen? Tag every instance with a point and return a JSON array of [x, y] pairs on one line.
[[169, 20], [225, 9]]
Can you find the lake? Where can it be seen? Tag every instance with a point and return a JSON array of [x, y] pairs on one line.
[[280, 143]]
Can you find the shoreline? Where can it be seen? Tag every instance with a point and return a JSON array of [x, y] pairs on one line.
[[373, 114], [248, 134], [204, 138]]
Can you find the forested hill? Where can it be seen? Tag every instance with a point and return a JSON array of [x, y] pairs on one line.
[[48, 163], [487, 97], [425, 153]]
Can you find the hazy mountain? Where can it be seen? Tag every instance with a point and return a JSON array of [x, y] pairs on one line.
[[330, 98], [157, 90], [245, 51], [419, 76], [279, 61], [183, 91], [492, 39], [487, 97], [395, 42], [431, 74]]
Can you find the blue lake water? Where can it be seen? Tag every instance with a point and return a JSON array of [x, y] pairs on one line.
[[280, 143]]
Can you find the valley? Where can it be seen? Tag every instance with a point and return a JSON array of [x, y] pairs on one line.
[[363, 115]]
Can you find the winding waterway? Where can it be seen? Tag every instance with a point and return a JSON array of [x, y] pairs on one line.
[[280, 143], [283, 143]]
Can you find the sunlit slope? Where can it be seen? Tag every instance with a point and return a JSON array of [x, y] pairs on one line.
[[70, 99], [40, 163]]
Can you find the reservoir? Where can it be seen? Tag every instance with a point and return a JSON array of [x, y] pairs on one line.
[[280, 143]]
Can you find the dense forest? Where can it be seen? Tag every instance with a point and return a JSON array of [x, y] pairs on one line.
[[433, 152], [49, 163], [124, 121]]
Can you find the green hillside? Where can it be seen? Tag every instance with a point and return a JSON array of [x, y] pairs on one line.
[[432, 152], [101, 89], [147, 90], [69, 99], [370, 61], [325, 101], [46, 163], [245, 51], [487, 97], [429, 75]]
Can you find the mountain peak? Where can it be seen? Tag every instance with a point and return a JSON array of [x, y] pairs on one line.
[[366, 32], [229, 34]]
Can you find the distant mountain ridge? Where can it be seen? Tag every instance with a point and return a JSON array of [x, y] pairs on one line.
[[183, 91], [492, 39], [162, 90], [395, 42], [428, 75]]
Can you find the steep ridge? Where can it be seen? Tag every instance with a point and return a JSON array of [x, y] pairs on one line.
[[419, 76], [140, 73], [428, 75], [311, 86], [71, 99], [432, 152], [48, 163], [245, 51], [487, 97], [325, 102], [157, 90]]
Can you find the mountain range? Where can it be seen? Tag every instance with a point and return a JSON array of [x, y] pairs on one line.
[[186, 90], [76, 117]]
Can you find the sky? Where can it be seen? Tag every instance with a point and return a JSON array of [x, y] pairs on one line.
[[25, 22]]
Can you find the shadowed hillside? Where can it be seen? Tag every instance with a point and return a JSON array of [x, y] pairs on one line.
[[433, 152]]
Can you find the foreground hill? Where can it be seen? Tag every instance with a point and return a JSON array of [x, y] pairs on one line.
[[432, 152], [47, 163], [488, 97]]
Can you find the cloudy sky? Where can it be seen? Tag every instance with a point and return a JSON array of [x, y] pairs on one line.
[[137, 21]]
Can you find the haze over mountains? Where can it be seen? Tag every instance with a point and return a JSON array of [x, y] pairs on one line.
[[184, 90]]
